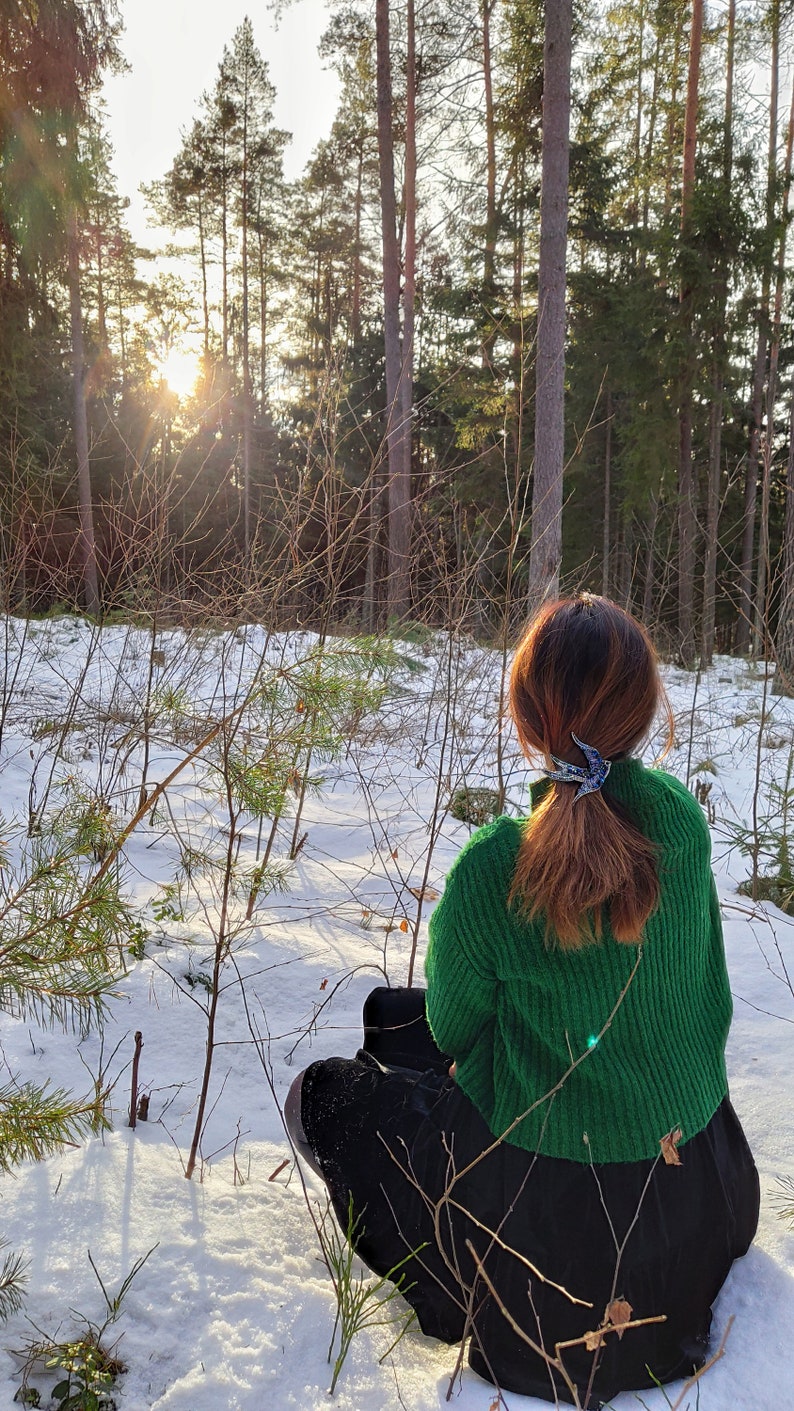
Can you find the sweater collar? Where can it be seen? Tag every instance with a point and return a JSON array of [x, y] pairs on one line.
[[625, 778]]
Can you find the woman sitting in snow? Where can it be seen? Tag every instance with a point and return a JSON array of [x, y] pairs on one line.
[[580, 1166]]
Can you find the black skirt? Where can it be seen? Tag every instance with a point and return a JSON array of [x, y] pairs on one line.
[[505, 1242]]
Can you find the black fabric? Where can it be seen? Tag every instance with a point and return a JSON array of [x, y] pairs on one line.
[[424, 1171], [397, 1033]]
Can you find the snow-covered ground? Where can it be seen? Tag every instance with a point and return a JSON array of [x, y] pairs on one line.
[[234, 1308]]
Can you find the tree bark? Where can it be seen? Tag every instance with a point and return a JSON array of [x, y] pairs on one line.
[[355, 310], [650, 563], [409, 279], [224, 247], [784, 640], [244, 192], [546, 551], [637, 142], [649, 141], [489, 253], [718, 380], [205, 309], [88, 557], [628, 562], [745, 623], [763, 569], [672, 151], [607, 497], [398, 482], [686, 505], [263, 330]]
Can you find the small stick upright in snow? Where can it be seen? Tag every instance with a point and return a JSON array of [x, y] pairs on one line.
[[136, 1058]]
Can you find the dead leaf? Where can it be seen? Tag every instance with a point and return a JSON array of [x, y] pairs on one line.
[[424, 893], [300, 706], [394, 855], [669, 1144], [618, 1313], [324, 983], [403, 925], [593, 1340]]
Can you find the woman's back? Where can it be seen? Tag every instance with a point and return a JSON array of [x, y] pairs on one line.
[[628, 1039]]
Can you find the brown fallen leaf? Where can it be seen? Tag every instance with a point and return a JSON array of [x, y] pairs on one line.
[[324, 983], [593, 1340], [403, 925], [394, 855], [424, 893], [669, 1145], [618, 1313]]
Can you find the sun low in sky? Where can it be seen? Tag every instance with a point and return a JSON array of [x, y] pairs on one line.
[[180, 369]]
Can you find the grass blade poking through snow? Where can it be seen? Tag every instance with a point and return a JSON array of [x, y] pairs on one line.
[[360, 1303]]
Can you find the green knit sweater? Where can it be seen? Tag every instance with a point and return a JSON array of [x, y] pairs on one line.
[[514, 1012]]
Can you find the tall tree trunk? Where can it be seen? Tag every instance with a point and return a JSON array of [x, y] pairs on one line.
[[686, 497], [763, 568], [374, 490], [650, 138], [398, 482], [671, 163], [711, 544], [224, 253], [205, 309], [489, 253], [409, 266], [626, 560], [650, 562], [607, 496], [358, 202], [101, 319], [88, 558], [745, 622], [637, 142], [546, 551], [122, 334], [718, 377], [263, 331], [244, 193], [784, 639]]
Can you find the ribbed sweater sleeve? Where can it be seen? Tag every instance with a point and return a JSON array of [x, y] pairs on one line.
[[461, 997]]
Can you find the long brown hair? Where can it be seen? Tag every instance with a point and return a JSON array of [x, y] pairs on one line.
[[585, 667]]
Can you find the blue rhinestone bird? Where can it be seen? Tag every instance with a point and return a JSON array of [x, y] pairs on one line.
[[590, 779]]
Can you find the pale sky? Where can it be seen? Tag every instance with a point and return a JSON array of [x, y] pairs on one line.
[[174, 48]]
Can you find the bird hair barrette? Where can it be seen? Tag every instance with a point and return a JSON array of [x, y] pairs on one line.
[[589, 779]]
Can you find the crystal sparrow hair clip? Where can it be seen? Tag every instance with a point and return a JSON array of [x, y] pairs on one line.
[[590, 779]]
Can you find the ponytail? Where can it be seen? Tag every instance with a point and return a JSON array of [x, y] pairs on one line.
[[586, 668], [575, 857]]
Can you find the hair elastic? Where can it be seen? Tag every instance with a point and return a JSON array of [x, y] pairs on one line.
[[590, 779]]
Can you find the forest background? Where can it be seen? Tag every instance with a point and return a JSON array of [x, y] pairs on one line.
[[224, 420]]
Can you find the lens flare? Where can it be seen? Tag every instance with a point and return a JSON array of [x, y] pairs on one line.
[[179, 369]]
